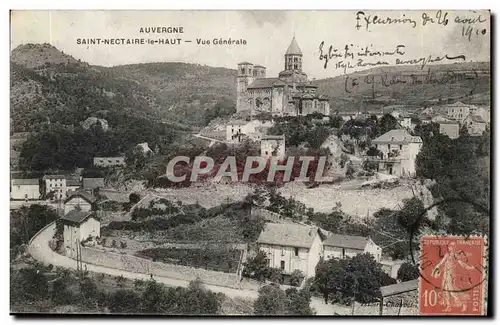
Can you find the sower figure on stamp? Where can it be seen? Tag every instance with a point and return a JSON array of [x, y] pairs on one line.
[[450, 276]]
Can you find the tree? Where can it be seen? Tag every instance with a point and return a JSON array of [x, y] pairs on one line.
[[407, 272], [28, 220], [28, 285], [296, 278], [134, 198], [199, 301], [256, 267], [153, 298], [271, 301], [373, 152], [298, 302], [358, 278], [387, 123], [124, 302], [89, 292]]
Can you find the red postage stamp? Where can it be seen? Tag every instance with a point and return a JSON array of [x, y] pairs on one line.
[[452, 275]]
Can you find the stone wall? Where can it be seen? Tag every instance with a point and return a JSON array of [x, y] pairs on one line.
[[140, 265]]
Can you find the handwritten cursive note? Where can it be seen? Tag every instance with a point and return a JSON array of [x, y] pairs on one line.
[[471, 24], [351, 57]]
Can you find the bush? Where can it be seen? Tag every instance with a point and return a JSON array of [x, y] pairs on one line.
[[408, 272], [296, 278]]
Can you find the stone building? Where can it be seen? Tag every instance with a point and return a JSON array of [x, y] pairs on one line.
[[475, 124], [290, 94], [79, 226], [449, 128], [399, 150], [272, 146], [291, 247], [25, 189], [342, 246], [81, 200]]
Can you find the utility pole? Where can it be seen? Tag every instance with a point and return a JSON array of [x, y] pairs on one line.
[[354, 292]]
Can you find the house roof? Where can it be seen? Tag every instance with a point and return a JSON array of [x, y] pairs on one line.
[[77, 216], [72, 182], [355, 242], [259, 66], [397, 136], [398, 288], [237, 122], [293, 48], [25, 181], [266, 83], [476, 118], [447, 122], [92, 183], [86, 196], [273, 137], [54, 177], [286, 234], [245, 62]]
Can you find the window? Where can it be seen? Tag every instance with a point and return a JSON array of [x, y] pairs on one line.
[[283, 252], [232, 130], [295, 59], [295, 66], [282, 265], [400, 147], [268, 260], [267, 153], [289, 59], [296, 251], [243, 71], [343, 252], [239, 129], [389, 146]]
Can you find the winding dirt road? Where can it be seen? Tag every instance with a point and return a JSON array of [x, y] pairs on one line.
[[40, 250]]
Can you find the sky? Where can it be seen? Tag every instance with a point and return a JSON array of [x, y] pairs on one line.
[[267, 33]]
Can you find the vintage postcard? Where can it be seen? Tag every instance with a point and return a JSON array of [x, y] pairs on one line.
[[250, 162]]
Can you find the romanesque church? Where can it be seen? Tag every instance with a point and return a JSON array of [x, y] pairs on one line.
[[290, 94]]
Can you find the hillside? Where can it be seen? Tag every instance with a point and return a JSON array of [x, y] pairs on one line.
[[48, 85], [408, 85], [185, 91]]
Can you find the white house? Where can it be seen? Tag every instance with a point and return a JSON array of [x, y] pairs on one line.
[[79, 201], [109, 161], [79, 226], [342, 246], [458, 110], [399, 151], [483, 111], [25, 189], [291, 247], [238, 130], [475, 124], [272, 146], [56, 184], [449, 128]]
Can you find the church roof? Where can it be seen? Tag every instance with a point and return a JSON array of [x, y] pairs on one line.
[[266, 83], [294, 48]]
